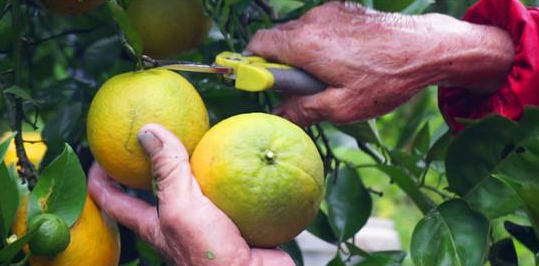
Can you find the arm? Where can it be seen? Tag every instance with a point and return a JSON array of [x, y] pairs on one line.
[[188, 229], [374, 61]]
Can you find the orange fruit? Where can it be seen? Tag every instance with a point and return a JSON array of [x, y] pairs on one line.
[[94, 239], [126, 103], [169, 27], [264, 172], [71, 7]]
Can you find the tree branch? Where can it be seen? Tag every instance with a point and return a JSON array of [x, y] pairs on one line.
[[5, 10], [267, 8], [28, 171], [54, 36]]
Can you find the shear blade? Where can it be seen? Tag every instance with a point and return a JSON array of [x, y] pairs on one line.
[[199, 68]]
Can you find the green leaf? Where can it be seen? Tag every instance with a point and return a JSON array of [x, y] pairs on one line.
[[407, 184], [474, 156], [147, 253], [519, 171], [4, 146], [63, 125], [422, 140], [232, 2], [356, 251], [320, 228], [226, 102], [294, 251], [524, 234], [452, 234], [503, 253], [384, 258], [282, 7], [19, 93], [9, 199], [391, 5], [349, 203], [367, 3], [363, 131], [418, 6], [411, 162], [8, 253], [337, 261], [494, 198], [132, 263], [438, 150], [61, 189], [131, 35]]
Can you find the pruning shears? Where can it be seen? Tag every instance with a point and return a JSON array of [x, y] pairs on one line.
[[250, 73]]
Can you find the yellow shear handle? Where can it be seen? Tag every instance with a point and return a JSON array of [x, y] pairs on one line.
[[251, 72]]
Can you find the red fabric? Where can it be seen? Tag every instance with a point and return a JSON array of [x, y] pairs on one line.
[[522, 86]]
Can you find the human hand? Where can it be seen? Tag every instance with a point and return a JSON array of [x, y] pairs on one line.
[[186, 228], [375, 61]]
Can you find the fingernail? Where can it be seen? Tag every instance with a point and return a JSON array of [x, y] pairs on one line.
[[149, 142]]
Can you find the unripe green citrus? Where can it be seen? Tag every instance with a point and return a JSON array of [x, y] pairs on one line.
[[52, 236], [169, 27]]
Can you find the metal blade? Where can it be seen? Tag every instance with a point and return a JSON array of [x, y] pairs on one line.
[[200, 68]]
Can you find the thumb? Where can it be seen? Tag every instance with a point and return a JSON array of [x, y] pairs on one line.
[[170, 165], [333, 104]]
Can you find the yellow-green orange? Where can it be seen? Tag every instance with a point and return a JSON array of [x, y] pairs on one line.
[[127, 102], [94, 239], [71, 7], [169, 27], [264, 172]]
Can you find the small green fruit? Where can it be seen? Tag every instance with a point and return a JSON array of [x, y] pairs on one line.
[[52, 236]]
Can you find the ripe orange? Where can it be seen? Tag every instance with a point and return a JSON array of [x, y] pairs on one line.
[[264, 172], [71, 7], [169, 27], [94, 239], [126, 103]]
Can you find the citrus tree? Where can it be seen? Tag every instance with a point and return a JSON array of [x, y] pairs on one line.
[[464, 199]]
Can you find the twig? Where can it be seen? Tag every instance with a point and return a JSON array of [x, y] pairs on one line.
[[33, 124], [33, 141], [5, 10], [366, 149], [55, 36], [267, 8], [376, 192], [267, 101], [435, 190], [28, 171], [9, 71]]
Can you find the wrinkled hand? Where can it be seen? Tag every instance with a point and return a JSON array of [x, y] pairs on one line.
[[188, 229], [375, 61]]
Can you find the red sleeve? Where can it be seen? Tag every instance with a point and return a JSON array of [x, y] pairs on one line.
[[522, 86]]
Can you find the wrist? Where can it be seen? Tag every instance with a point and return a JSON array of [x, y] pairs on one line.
[[475, 57]]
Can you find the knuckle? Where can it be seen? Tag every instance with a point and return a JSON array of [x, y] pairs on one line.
[[149, 233], [354, 7], [165, 164], [304, 113]]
